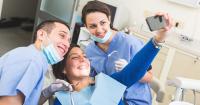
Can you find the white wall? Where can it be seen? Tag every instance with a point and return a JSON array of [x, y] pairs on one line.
[[1, 3], [132, 12], [121, 13], [19, 8], [189, 17]]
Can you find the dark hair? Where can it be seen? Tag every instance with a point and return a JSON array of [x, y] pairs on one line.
[[47, 25], [96, 6], [59, 67]]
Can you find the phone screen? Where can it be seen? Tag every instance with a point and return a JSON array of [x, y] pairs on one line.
[[156, 22]]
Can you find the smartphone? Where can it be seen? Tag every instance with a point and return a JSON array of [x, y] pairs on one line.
[[156, 22]]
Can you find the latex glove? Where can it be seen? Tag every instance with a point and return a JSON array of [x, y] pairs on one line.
[[120, 64], [58, 85]]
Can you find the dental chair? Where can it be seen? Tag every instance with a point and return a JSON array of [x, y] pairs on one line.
[[182, 84], [158, 89]]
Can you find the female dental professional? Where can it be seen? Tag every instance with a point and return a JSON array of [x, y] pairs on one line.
[[81, 89], [112, 50]]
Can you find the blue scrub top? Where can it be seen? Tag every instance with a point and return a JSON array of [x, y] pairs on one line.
[[122, 46], [23, 70]]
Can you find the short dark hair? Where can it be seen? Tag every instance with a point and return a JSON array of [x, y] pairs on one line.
[[59, 67], [95, 6], [47, 25]]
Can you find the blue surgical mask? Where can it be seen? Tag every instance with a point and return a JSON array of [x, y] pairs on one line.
[[51, 53], [104, 39]]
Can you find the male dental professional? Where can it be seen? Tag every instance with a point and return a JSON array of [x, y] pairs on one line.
[[22, 70]]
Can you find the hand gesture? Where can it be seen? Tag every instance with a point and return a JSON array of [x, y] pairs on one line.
[[161, 34], [58, 85], [120, 64]]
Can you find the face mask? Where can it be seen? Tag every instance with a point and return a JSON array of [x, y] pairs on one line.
[[51, 53], [104, 39]]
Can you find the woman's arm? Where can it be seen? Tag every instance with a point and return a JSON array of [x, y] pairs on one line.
[[136, 69]]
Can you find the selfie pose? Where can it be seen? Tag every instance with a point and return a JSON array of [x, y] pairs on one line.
[[76, 87]]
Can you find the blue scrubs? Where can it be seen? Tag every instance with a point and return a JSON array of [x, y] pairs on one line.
[[122, 46], [23, 70], [129, 75]]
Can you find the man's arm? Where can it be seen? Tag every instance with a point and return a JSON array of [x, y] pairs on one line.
[[58, 85], [43, 99], [12, 100]]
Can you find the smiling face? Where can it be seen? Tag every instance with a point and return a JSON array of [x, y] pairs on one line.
[[77, 65], [97, 23], [60, 37], [55, 33]]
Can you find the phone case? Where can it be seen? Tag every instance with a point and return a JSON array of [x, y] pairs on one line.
[[155, 22]]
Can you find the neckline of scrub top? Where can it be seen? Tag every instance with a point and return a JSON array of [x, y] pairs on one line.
[[41, 54], [110, 44]]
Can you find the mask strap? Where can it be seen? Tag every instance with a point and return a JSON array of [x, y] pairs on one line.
[[49, 41]]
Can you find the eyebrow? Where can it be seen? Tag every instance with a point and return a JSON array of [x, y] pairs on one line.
[[64, 32], [75, 54], [95, 23]]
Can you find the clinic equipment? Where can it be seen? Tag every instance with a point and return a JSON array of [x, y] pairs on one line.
[[189, 3], [182, 84], [158, 88]]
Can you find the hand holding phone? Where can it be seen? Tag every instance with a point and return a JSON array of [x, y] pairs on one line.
[[156, 22]]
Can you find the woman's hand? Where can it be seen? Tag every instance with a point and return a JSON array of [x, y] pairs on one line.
[[161, 34]]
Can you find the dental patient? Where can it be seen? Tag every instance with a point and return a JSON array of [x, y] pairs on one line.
[[75, 86]]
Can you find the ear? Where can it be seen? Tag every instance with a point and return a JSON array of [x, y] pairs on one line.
[[64, 72], [85, 25], [41, 34], [109, 19]]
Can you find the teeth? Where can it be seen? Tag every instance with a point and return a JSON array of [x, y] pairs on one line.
[[82, 67]]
